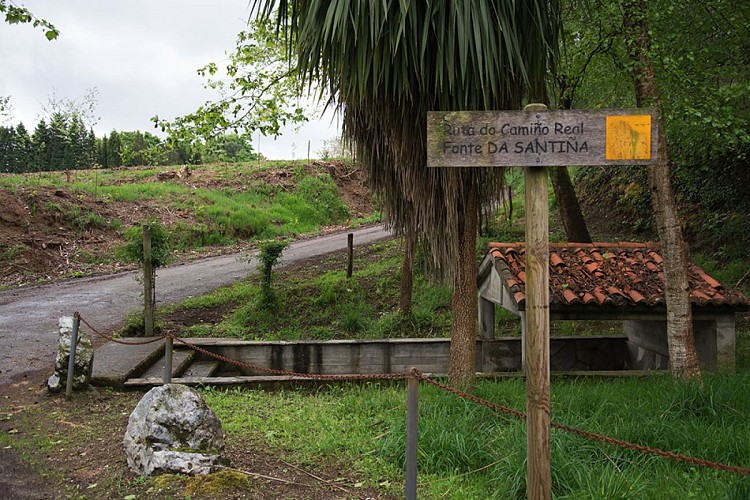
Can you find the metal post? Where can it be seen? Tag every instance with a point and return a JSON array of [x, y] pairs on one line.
[[412, 423], [537, 331], [350, 254], [72, 355], [168, 350]]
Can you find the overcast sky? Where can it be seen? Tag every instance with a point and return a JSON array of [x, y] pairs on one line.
[[141, 56]]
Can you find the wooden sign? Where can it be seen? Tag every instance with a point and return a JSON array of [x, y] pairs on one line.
[[541, 138]]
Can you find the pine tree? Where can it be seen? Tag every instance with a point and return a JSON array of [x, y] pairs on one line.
[[102, 151], [40, 147], [114, 150], [60, 152], [90, 149], [75, 150], [23, 149], [7, 149]]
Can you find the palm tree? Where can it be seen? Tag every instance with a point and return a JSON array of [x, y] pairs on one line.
[[386, 63]]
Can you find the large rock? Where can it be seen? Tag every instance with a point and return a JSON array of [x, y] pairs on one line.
[[172, 430], [83, 361]]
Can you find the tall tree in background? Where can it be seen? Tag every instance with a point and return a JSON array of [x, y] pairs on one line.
[[387, 64], [591, 30], [114, 150], [23, 148], [571, 215], [7, 149], [102, 157], [40, 151], [77, 153], [60, 156], [683, 357]]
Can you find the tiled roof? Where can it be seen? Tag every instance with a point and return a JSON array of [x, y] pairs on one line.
[[616, 274]]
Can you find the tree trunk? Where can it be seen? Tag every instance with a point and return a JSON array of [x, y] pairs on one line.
[[568, 206], [464, 302], [407, 272], [567, 202], [683, 358]]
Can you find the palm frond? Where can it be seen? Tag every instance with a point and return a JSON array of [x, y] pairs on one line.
[[388, 62]]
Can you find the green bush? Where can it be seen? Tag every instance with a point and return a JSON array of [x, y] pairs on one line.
[[132, 251], [269, 255]]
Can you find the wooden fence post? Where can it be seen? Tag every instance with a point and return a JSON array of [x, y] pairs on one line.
[[350, 254], [412, 430], [537, 331], [148, 284]]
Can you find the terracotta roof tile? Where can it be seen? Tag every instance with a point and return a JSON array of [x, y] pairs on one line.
[[570, 296], [708, 279], [555, 260], [600, 296], [636, 296], [621, 274], [699, 295], [588, 298]]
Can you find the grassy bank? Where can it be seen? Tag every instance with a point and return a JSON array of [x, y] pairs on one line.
[[315, 300], [354, 436], [484, 456], [227, 203], [60, 225]]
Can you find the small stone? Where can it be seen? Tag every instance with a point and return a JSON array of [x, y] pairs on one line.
[[172, 430]]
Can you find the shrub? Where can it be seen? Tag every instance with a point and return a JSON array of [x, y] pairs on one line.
[[132, 251], [270, 253]]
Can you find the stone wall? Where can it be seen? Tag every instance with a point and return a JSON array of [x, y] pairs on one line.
[[648, 350], [427, 355]]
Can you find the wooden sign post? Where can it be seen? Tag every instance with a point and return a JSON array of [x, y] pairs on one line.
[[536, 341], [537, 138]]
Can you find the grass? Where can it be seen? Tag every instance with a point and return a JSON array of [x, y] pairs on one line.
[[359, 429], [80, 219], [319, 302], [484, 457]]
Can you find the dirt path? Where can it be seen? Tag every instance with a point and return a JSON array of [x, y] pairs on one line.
[[28, 316]]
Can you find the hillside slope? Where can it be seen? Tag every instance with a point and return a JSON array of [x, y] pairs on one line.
[[55, 225]]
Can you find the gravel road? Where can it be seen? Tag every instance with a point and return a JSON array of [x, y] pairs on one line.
[[29, 315]]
